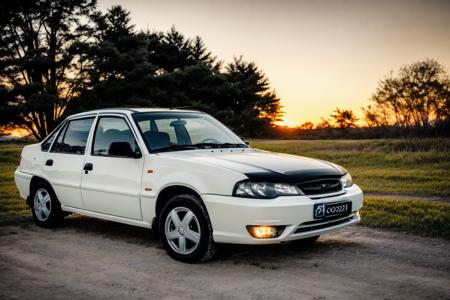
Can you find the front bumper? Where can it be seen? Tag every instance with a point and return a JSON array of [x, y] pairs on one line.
[[230, 216]]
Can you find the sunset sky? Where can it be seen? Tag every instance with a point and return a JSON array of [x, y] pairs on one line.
[[318, 55]]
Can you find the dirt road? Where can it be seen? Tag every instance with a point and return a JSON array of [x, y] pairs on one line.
[[89, 258]]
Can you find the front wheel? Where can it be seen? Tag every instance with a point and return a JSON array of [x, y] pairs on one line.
[[45, 206], [185, 229]]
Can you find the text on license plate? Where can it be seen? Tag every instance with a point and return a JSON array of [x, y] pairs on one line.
[[328, 210]]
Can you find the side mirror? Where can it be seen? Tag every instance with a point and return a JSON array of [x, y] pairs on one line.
[[122, 149]]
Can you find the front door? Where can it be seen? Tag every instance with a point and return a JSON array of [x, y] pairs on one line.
[[64, 162], [111, 182]]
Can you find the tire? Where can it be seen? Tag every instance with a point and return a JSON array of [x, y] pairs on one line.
[[185, 229], [45, 206]]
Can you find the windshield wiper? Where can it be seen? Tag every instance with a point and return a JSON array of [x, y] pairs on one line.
[[199, 146], [175, 148], [234, 145], [221, 145]]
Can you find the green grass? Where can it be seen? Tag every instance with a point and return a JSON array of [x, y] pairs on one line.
[[11, 205], [413, 166], [413, 216]]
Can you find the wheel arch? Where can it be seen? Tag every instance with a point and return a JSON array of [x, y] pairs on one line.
[[167, 193], [173, 190], [34, 181]]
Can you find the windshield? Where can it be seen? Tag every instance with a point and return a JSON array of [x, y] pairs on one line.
[[176, 131]]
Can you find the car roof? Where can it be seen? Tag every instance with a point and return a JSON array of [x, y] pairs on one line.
[[130, 110]]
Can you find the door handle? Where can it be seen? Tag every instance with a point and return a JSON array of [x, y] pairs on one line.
[[88, 167], [49, 162]]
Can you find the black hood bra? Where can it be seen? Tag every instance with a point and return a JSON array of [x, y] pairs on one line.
[[276, 167], [292, 177]]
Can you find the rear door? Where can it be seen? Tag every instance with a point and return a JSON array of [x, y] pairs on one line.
[[112, 183], [64, 162]]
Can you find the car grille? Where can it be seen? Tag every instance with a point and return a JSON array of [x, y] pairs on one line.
[[318, 187], [316, 225]]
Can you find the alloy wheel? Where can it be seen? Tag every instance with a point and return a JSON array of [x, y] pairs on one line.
[[42, 204], [182, 230]]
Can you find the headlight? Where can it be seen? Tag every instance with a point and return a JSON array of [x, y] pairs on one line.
[[346, 180], [266, 190]]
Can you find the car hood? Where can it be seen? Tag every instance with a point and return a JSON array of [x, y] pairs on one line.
[[267, 166]]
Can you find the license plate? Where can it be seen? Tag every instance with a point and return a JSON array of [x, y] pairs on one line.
[[329, 210]]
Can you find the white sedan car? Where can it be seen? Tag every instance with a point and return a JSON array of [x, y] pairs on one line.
[[186, 176]]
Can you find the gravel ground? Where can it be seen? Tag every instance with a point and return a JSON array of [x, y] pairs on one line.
[[89, 258]]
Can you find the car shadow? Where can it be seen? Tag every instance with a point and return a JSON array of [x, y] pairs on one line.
[[273, 256], [263, 256], [110, 230]]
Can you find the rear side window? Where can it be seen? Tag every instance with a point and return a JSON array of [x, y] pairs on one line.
[[73, 137], [49, 140]]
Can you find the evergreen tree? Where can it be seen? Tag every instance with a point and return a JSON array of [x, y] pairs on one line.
[[120, 73], [41, 68], [253, 106]]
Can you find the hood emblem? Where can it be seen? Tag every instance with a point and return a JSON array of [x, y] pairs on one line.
[[327, 186]]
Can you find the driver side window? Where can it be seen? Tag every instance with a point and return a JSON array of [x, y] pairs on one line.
[[110, 133]]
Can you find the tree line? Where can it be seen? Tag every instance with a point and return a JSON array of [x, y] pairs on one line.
[[65, 56], [415, 101]]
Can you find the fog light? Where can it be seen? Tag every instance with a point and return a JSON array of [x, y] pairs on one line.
[[265, 232]]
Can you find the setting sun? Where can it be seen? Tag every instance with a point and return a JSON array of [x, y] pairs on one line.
[[18, 132], [287, 123]]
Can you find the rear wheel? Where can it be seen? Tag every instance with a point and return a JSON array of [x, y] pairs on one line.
[[45, 206], [185, 229]]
